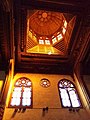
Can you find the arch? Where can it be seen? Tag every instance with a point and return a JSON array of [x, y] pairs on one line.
[[68, 94], [22, 93]]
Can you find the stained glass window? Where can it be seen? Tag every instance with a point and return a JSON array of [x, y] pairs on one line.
[[45, 82], [22, 93], [68, 94]]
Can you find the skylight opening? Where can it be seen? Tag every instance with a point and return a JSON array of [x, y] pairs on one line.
[[54, 40], [65, 24], [59, 37], [63, 31], [47, 30], [41, 42], [47, 42]]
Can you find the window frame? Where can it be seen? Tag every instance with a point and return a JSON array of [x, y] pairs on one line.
[[21, 106], [61, 101]]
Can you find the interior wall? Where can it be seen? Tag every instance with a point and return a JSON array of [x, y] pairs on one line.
[[45, 97], [86, 79], [2, 79]]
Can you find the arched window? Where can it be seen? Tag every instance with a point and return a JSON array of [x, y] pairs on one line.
[[68, 94], [22, 93]]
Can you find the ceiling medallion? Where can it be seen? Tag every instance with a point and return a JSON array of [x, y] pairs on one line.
[[45, 82], [44, 14]]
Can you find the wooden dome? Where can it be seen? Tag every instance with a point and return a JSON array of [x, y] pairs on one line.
[[46, 23]]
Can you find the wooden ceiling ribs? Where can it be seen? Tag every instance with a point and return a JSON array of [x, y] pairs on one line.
[[28, 62], [42, 59]]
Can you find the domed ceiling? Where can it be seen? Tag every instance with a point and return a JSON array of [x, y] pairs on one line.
[[49, 32], [45, 23]]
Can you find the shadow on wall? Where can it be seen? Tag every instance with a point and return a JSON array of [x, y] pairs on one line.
[[45, 110], [19, 111]]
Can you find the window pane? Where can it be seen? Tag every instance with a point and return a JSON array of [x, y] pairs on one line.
[[66, 103], [21, 95], [68, 94], [63, 30], [63, 93], [54, 40], [59, 36], [16, 94], [26, 95], [28, 83], [65, 98], [17, 89], [65, 24], [60, 85], [72, 85], [26, 102], [27, 89], [47, 42], [41, 41], [15, 101], [74, 99]]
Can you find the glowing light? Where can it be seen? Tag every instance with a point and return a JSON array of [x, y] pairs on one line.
[[59, 36], [26, 94], [68, 94], [44, 83], [49, 53], [41, 41], [26, 102], [63, 30], [74, 99], [44, 15], [29, 83], [65, 98], [15, 101], [65, 24], [22, 93], [54, 40], [1, 84], [17, 83], [23, 81], [47, 42]]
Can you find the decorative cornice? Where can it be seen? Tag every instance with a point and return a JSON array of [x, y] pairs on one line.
[[23, 29]]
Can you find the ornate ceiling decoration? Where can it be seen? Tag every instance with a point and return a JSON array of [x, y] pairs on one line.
[[49, 32], [45, 23]]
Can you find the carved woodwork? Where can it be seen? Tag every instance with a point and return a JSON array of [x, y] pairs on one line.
[[33, 62]]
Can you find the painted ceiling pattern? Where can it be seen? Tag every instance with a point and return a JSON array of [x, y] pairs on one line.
[[49, 32]]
